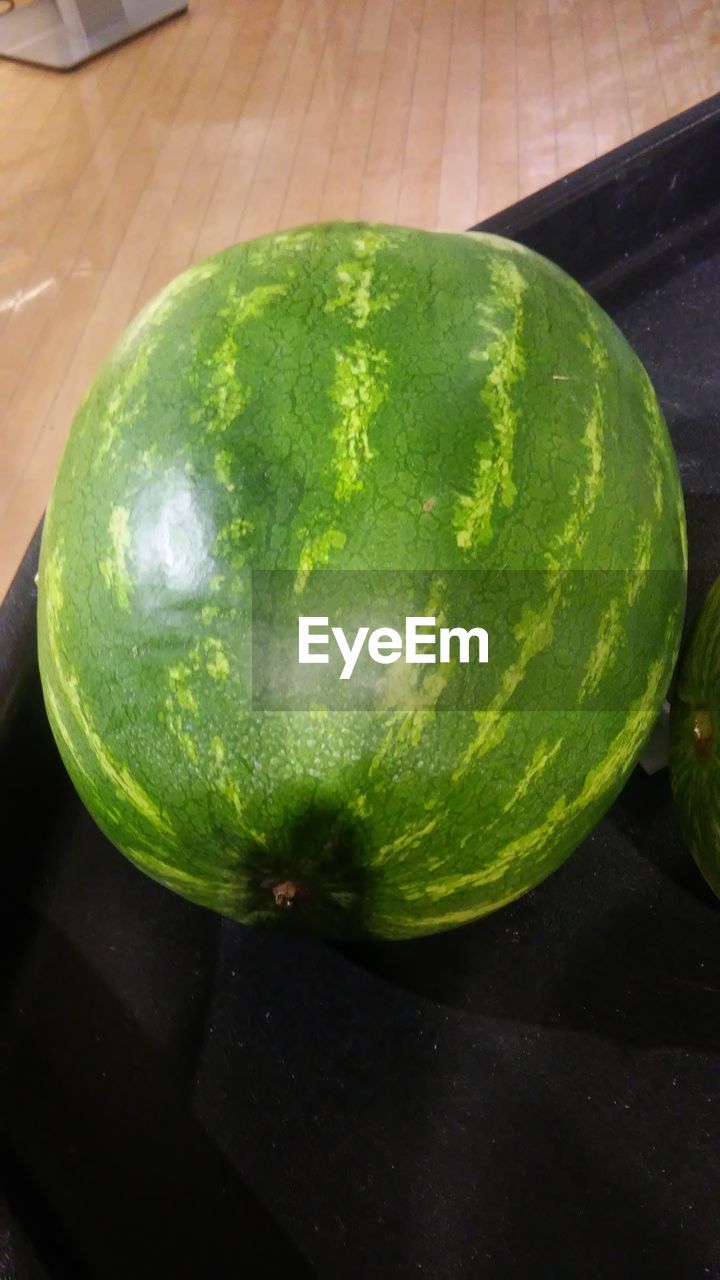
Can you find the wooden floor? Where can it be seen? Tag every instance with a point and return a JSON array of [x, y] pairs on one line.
[[248, 115]]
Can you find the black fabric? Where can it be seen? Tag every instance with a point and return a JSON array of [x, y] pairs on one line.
[[534, 1095]]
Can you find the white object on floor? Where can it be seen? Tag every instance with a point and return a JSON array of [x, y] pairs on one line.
[[656, 752], [65, 33]]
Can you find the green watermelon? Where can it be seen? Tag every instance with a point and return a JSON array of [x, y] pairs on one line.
[[694, 759], [367, 399]]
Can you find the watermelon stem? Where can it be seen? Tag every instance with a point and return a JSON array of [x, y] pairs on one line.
[[703, 731], [286, 892]]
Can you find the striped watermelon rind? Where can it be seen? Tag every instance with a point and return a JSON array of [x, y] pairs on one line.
[[694, 721], [356, 397]]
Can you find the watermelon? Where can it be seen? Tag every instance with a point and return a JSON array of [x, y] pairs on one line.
[[694, 721], [358, 399]]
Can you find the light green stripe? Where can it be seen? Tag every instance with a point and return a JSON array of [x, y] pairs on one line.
[[612, 629], [355, 278], [414, 687], [118, 775], [114, 568], [152, 317], [359, 389], [541, 760], [493, 480], [658, 437], [174, 876], [66, 688], [598, 782], [587, 488], [534, 634], [407, 840], [248, 306], [398, 922], [223, 395], [316, 552]]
